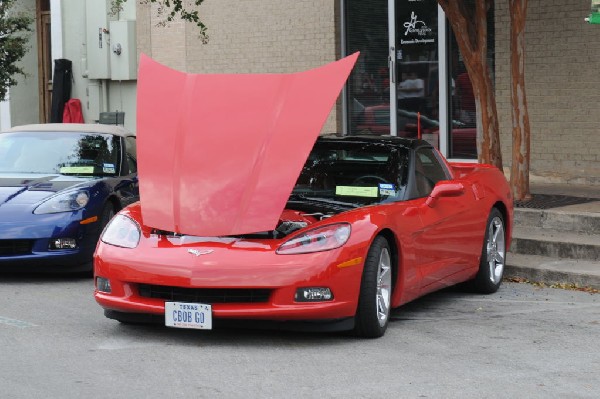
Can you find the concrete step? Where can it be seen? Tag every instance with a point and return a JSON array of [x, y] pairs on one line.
[[558, 245], [549, 270], [555, 244], [560, 220]]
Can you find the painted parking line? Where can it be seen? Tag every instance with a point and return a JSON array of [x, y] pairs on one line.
[[16, 323]]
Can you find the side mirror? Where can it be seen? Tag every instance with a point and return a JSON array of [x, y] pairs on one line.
[[445, 189]]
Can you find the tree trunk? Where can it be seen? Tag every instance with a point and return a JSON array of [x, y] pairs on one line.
[[519, 170], [469, 23]]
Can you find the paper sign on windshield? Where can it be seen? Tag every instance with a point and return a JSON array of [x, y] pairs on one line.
[[370, 192], [76, 170]]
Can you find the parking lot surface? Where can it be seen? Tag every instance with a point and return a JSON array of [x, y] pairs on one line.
[[523, 341]]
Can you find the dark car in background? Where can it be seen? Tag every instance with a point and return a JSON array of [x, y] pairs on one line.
[[60, 184]]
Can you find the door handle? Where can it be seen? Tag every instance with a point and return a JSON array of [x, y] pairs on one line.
[[392, 64]]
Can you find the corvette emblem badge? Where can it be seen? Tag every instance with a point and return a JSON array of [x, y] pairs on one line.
[[198, 252]]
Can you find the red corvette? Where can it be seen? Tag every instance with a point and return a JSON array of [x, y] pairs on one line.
[[325, 235]]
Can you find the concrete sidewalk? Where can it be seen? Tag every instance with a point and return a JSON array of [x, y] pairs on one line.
[[558, 245]]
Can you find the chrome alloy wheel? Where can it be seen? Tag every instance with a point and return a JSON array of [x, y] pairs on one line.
[[496, 249], [384, 287]]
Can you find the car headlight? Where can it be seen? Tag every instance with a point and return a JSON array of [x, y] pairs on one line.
[[66, 202], [320, 239], [122, 231]]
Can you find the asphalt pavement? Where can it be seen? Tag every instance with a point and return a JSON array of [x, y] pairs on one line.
[[521, 342]]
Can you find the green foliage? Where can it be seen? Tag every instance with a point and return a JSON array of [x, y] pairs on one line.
[[169, 9], [13, 44]]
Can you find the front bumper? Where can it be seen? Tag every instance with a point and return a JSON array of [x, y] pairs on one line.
[[26, 246], [59, 261], [228, 268]]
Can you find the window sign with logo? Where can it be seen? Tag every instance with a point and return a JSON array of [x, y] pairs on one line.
[[594, 17], [416, 31]]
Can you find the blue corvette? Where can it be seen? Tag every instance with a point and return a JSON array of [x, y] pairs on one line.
[[60, 184]]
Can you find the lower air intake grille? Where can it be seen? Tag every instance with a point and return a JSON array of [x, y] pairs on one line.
[[15, 247], [205, 295]]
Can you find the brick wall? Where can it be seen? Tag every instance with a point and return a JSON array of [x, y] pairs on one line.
[[247, 36], [164, 42], [563, 89]]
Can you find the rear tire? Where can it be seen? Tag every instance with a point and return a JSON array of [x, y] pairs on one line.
[[374, 302], [493, 256]]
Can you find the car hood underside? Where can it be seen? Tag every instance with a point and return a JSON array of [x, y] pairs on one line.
[[219, 154]]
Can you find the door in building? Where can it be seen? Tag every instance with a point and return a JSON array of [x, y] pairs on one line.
[[44, 59], [394, 86]]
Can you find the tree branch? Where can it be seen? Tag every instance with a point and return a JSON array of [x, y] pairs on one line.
[[175, 9]]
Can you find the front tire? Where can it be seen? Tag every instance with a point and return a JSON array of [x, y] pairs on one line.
[[374, 302], [493, 255], [108, 211]]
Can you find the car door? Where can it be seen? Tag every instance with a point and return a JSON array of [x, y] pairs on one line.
[[448, 237]]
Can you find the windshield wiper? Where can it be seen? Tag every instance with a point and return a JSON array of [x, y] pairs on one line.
[[305, 198]]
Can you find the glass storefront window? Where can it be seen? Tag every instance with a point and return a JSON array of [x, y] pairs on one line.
[[368, 87]]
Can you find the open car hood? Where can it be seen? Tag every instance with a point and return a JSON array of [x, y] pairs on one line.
[[219, 154]]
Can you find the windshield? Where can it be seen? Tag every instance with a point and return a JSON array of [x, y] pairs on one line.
[[68, 153], [353, 172]]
